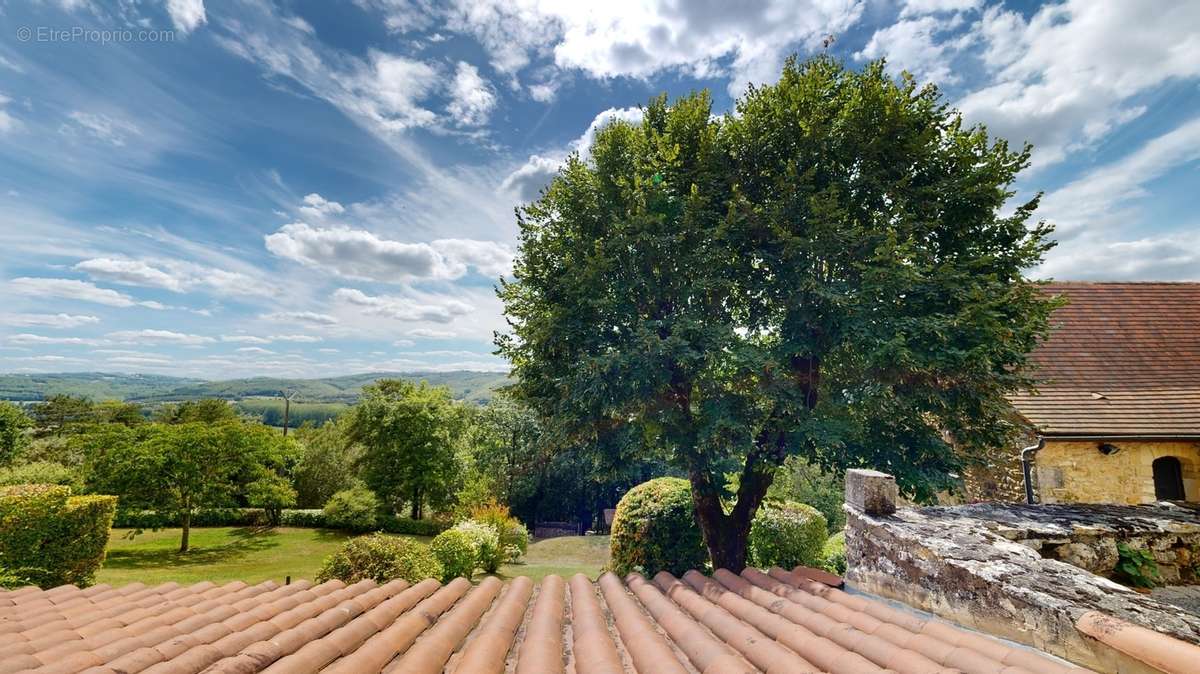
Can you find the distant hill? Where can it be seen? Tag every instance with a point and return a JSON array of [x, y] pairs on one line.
[[466, 385]]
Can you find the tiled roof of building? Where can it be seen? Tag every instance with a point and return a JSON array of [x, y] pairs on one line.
[[1123, 359], [779, 621]]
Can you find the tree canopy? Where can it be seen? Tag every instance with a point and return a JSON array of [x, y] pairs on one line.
[[827, 272]]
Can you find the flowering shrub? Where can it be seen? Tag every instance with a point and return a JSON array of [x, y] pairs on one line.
[[787, 535], [485, 541], [457, 552], [381, 558], [514, 537]]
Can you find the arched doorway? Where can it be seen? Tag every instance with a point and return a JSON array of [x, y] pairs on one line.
[[1168, 479]]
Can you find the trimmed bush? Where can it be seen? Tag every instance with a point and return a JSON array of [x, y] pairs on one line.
[[313, 519], [381, 558], [50, 538], [514, 537], [41, 472], [655, 529], [833, 553], [201, 517], [272, 493], [786, 534], [457, 552], [355, 509], [486, 542]]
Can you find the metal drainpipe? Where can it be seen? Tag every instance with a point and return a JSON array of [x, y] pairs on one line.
[[1027, 467]]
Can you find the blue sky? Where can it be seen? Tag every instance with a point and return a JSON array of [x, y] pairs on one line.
[[234, 188]]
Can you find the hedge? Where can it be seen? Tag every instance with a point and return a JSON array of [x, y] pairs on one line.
[[50, 538], [380, 558], [786, 534], [256, 517], [655, 529]]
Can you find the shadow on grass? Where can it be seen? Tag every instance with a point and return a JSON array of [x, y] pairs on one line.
[[245, 540]]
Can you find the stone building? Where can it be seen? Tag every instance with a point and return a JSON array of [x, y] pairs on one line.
[[1116, 417]]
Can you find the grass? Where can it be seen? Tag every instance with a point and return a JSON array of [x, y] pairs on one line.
[[252, 554]]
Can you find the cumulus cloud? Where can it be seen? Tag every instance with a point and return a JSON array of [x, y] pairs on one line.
[[187, 15], [921, 46], [253, 349], [25, 338], [438, 310], [472, 98], [47, 320], [75, 290], [922, 7], [527, 181], [310, 317], [429, 333], [1062, 78], [295, 338], [245, 339], [151, 337], [360, 254], [174, 275], [318, 207]]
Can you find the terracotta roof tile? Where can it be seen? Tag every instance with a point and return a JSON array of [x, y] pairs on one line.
[[775, 621], [1122, 359]]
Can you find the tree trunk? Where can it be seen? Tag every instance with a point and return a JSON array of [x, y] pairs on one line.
[[415, 506], [726, 534], [187, 529]]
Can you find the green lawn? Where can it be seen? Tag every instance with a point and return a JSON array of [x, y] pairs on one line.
[[222, 554]]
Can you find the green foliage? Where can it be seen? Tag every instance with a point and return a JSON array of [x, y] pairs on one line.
[[787, 535], [49, 538], [485, 542], [272, 493], [206, 410], [41, 472], [326, 464], [830, 271], [270, 411], [355, 509], [14, 424], [309, 518], [1136, 567], [407, 432], [177, 468], [60, 414], [405, 525], [381, 558], [514, 537], [655, 529], [833, 553], [802, 481], [458, 553]]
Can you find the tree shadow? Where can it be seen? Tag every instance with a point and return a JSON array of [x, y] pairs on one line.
[[245, 540]]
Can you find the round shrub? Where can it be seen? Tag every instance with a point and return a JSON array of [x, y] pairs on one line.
[[514, 537], [355, 509], [833, 553], [381, 558], [787, 535], [272, 493], [655, 529], [486, 542], [456, 550]]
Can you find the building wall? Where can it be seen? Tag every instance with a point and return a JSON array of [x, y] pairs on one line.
[[1074, 471]]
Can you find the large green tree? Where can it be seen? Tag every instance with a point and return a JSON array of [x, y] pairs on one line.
[[176, 468], [829, 272], [14, 424], [408, 434]]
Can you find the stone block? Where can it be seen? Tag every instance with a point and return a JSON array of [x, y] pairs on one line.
[[871, 492]]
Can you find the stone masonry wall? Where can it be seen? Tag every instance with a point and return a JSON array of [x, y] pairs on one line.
[[1074, 471]]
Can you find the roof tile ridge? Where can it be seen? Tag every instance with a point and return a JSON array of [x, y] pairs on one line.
[[648, 649], [487, 650], [431, 651]]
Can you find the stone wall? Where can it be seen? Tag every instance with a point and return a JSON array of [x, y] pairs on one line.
[[964, 569], [1074, 471]]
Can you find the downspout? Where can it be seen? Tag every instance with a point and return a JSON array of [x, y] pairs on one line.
[[1027, 467]]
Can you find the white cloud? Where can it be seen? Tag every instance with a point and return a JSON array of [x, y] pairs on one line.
[[152, 337], [612, 39], [360, 254], [1172, 257], [438, 310], [129, 272], [102, 127], [296, 338], [916, 45], [428, 333], [922, 7], [311, 317], [530, 178], [75, 290], [47, 320], [25, 338], [187, 15], [7, 121], [253, 349], [245, 339], [174, 275], [403, 343], [472, 97], [318, 207], [1062, 78]]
